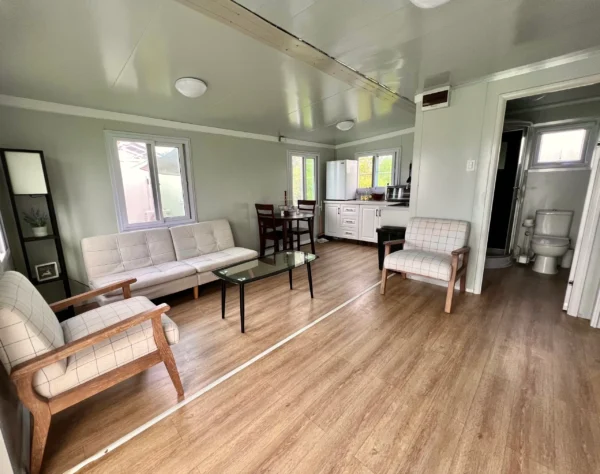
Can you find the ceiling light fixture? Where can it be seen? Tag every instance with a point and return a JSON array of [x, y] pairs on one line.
[[345, 125], [428, 3], [190, 87]]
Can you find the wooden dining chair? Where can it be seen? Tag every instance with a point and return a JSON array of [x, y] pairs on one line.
[[305, 206], [267, 227]]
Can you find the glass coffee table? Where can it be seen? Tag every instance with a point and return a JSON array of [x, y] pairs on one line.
[[262, 267]]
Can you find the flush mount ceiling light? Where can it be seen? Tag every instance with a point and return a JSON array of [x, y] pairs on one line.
[[345, 125], [428, 3], [190, 87]]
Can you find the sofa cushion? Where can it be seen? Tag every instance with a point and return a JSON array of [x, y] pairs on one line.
[[430, 264], [109, 353], [194, 240], [212, 261], [28, 327], [116, 253], [146, 276], [436, 235]]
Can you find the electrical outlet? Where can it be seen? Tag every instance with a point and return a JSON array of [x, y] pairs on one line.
[[471, 165]]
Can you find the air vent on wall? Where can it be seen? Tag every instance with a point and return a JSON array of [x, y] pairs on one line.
[[436, 98]]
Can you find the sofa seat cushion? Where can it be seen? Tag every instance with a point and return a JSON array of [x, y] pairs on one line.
[[109, 353], [212, 261], [146, 276], [421, 262]]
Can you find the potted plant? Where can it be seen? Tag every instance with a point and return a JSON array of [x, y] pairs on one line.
[[38, 221]]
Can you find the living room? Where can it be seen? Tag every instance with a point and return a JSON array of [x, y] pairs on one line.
[[173, 122]]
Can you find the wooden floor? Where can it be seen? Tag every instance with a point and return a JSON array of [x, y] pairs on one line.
[[507, 383]]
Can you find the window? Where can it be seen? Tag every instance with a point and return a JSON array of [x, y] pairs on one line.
[[152, 180], [377, 169], [302, 176], [565, 146]]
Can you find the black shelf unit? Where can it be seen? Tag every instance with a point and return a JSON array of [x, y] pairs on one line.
[[55, 236]]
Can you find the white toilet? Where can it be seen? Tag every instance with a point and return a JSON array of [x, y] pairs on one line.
[[550, 238]]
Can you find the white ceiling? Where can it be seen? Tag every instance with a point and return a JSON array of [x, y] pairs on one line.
[[401, 45], [124, 56]]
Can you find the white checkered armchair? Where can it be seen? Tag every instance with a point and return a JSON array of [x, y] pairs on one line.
[[433, 248], [55, 365]]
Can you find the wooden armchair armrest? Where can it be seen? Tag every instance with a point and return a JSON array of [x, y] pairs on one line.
[[461, 250], [394, 242], [125, 284], [41, 361]]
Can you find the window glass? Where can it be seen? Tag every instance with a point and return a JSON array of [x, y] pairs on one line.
[[137, 182], [385, 167], [168, 165], [151, 178], [365, 171], [297, 178], [565, 146]]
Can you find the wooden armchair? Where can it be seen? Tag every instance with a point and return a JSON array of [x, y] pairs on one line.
[[434, 248], [45, 382]]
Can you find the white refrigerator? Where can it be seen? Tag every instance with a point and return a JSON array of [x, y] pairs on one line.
[[342, 180]]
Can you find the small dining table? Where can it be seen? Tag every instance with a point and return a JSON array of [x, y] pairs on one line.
[[284, 221]]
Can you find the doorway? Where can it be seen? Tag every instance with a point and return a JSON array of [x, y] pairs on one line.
[[546, 175]]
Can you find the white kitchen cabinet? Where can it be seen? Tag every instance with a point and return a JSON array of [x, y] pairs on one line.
[[370, 219], [333, 220]]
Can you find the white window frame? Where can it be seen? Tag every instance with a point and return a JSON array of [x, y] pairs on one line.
[[375, 154], [591, 128], [185, 156], [304, 155]]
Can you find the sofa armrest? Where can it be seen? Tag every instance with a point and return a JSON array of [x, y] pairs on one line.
[[461, 250], [88, 295], [37, 363]]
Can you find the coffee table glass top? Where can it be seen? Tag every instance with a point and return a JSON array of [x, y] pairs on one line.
[[262, 267]]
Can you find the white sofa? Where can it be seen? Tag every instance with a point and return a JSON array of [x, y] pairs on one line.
[[163, 261]]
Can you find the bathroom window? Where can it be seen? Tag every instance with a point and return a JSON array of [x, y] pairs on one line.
[[559, 147]]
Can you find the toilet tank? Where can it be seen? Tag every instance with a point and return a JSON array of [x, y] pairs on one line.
[[553, 222]]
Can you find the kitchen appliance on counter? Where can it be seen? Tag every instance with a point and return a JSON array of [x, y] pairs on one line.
[[399, 194], [342, 180]]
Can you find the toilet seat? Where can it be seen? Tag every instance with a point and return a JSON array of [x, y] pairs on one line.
[[550, 241]]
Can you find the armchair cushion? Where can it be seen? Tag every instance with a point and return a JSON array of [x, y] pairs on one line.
[[109, 353], [28, 327], [430, 264]]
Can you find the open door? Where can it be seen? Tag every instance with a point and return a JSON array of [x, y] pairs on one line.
[[585, 241]]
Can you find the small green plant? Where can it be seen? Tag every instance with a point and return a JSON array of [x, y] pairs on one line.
[[36, 218]]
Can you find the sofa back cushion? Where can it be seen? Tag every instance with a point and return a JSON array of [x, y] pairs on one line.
[[28, 327], [436, 235], [193, 240], [116, 253]]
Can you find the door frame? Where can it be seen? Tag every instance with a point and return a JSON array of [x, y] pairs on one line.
[[487, 179]]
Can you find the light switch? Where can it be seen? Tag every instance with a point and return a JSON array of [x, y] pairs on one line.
[[471, 165]]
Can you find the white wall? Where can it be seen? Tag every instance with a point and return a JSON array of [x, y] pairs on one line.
[[230, 175], [563, 190], [470, 129]]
